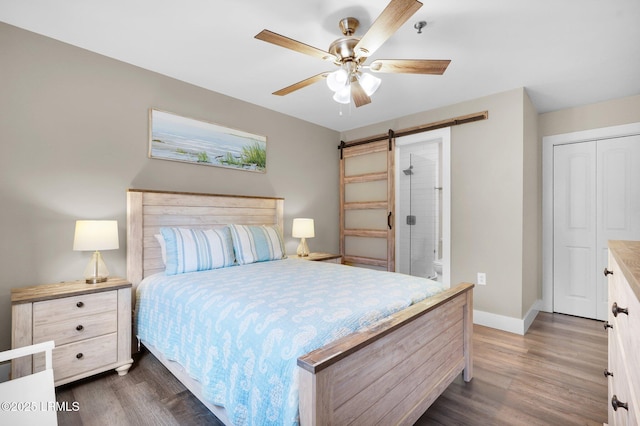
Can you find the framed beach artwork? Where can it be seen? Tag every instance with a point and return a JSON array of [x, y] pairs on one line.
[[177, 138]]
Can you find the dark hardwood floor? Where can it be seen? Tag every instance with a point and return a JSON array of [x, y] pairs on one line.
[[550, 376]]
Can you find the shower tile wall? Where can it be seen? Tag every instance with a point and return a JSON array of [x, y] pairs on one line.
[[419, 240]]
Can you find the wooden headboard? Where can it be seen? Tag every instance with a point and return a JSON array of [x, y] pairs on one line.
[[148, 211]]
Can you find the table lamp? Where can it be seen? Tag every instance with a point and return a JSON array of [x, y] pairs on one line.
[[95, 235], [302, 228]]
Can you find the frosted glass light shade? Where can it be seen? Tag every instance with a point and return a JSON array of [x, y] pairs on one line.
[[337, 80], [369, 83], [343, 96], [96, 235]]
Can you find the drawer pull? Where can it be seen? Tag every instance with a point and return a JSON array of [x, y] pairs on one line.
[[616, 403], [607, 373], [80, 304], [79, 356], [607, 325], [80, 327], [607, 272], [615, 309]]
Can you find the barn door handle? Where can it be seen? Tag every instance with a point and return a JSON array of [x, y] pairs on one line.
[[389, 220]]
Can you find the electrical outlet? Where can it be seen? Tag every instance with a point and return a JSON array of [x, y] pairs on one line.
[[482, 278]]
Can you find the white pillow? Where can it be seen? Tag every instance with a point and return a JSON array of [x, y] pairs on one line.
[[163, 247], [257, 243], [190, 250]]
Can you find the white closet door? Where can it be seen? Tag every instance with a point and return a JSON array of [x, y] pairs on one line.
[[618, 205], [574, 229], [596, 198]]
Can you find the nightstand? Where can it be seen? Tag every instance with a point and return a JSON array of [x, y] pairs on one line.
[[321, 257], [89, 323]]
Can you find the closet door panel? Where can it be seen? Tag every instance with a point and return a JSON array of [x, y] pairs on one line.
[[618, 205], [596, 199], [574, 252]]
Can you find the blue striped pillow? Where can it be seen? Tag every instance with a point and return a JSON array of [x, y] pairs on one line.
[[190, 250], [257, 243]]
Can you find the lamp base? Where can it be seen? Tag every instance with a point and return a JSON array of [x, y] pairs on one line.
[[303, 248], [96, 280], [96, 271]]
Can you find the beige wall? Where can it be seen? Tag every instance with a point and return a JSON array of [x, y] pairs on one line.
[[532, 210], [73, 133], [594, 116], [487, 185]]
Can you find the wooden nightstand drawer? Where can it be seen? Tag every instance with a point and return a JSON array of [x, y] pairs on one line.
[[81, 357], [74, 307], [75, 329]]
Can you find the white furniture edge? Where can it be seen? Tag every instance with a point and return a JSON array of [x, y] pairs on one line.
[[46, 347]]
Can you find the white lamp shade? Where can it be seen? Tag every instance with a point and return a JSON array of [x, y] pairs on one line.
[[94, 235], [303, 228], [369, 83]]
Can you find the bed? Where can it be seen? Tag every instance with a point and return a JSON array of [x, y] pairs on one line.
[[387, 372]]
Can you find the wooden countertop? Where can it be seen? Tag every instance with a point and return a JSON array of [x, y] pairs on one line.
[[627, 254]]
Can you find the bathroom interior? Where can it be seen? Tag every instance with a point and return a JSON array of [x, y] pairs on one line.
[[419, 244]]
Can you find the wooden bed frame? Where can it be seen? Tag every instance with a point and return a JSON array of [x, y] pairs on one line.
[[389, 373]]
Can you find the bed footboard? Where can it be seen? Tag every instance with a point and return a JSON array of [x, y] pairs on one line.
[[392, 372]]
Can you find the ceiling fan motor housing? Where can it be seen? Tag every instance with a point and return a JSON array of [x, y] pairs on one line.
[[343, 48]]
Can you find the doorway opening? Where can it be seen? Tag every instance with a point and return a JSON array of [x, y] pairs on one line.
[[423, 205]]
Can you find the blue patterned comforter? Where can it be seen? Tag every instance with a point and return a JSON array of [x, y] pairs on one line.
[[239, 330]]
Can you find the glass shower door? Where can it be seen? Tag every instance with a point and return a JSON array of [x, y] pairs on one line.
[[418, 212]]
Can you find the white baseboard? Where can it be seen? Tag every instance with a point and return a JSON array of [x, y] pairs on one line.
[[5, 371], [504, 323]]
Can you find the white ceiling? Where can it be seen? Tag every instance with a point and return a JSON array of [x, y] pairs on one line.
[[566, 53]]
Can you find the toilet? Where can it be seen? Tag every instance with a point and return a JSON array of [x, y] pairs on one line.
[[437, 268]]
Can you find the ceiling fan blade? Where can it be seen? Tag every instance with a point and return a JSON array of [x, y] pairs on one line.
[[392, 17], [289, 43], [360, 98], [299, 85], [410, 66]]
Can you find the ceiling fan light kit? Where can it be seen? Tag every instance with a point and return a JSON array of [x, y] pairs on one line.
[[350, 53]]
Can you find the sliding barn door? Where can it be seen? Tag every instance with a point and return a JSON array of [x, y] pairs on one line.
[[367, 204]]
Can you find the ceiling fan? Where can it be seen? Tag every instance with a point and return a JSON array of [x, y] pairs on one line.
[[350, 53]]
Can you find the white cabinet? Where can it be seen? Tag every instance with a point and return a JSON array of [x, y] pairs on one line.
[[623, 325]]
